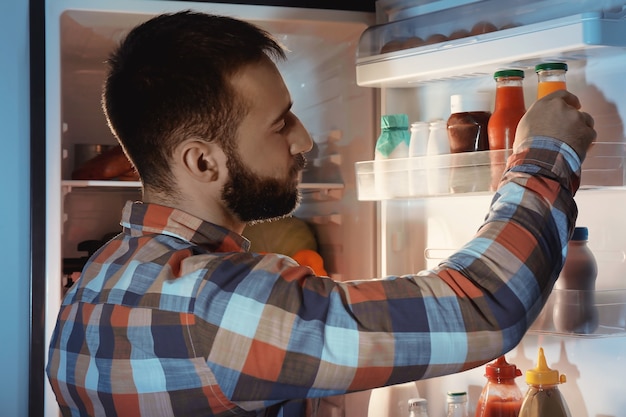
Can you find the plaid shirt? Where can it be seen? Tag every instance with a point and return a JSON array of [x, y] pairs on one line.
[[174, 317]]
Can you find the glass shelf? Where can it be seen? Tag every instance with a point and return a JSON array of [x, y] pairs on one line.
[[117, 185], [471, 173], [585, 314]]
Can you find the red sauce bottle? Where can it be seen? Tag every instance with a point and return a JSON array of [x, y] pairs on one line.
[[501, 397], [508, 109]]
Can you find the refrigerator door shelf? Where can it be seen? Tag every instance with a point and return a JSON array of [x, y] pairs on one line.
[[472, 173], [583, 314], [571, 38]]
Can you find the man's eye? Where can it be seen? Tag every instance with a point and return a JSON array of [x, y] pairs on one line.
[[281, 127]]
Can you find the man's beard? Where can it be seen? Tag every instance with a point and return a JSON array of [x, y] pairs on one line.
[[252, 198]]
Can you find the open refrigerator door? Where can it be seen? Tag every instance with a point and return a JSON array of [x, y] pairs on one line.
[[417, 74]]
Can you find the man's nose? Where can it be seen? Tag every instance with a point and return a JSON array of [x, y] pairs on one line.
[[301, 141]]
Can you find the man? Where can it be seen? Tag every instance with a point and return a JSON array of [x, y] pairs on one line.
[[174, 317]]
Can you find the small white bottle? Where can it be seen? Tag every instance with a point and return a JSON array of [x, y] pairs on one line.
[[418, 182], [418, 407], [438, 168], [457, 404], [438, 142], [419, 139]]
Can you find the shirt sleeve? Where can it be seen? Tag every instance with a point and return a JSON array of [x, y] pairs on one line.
[[293, 335]]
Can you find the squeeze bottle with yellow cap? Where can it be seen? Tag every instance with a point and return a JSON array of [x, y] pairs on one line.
[[543, 398]]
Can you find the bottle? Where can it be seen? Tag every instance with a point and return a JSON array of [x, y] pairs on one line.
[[437, 171], [418, 407], [417, 148], [500, 397], [574, 308], [550, 77], [457, 404], [543, 398], [419, 139], [391, 178], [467, 124], [438, 143], [508, 109], [392, 400]]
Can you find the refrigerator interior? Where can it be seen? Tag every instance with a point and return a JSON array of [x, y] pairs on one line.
[[358, 239], [418, 232], [319, 72]]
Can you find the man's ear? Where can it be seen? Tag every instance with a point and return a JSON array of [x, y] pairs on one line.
[[198, 159]]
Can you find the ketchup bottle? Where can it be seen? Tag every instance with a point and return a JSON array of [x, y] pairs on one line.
[[501, 397], [508, 109]]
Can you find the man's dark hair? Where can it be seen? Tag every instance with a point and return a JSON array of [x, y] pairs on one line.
[[169, 81]]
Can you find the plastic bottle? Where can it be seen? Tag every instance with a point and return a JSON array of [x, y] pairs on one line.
[[457, 404], [438, 172], [438, 143], [574, 308], [500, 397], [391, 179], [418, 407], [467, 124], [550, 77], [391, 401], [417, 148], [419, 139], [543, 398], [508, 109]]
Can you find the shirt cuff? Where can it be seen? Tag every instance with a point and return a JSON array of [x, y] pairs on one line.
[[548, 157]]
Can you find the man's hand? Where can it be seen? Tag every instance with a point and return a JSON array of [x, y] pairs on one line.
[[557, 115]]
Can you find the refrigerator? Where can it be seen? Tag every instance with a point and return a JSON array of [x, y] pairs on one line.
[[342, 82]]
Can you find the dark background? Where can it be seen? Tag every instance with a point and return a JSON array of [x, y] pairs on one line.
[[358, 5]]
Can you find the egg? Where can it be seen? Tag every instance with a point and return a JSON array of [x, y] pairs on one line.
[[483, 27], [435, 38], [413, 42], [457, 34], [394, 45]]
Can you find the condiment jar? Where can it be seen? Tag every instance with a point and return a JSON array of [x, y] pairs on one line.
[[574, 308], [467, 124], [508, 109], [543, 398], [550, 77], [500, 397]]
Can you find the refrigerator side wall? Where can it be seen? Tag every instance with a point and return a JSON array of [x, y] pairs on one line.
[[15, 211]]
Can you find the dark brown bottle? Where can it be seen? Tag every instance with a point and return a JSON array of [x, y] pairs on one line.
[[575, 310], [467, 124]]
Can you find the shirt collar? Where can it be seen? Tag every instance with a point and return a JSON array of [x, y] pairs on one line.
[[140, 219]]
